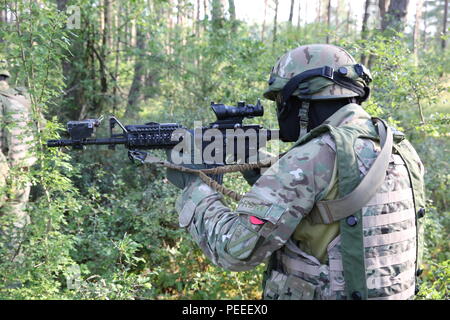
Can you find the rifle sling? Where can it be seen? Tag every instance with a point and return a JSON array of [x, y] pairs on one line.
[[334, 210]]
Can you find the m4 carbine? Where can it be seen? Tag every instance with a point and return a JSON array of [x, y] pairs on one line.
[[233, 134]]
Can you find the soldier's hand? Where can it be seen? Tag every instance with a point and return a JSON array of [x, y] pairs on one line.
[[251, 176], [181, 179]]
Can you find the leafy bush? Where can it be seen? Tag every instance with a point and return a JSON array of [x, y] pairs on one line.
[[104, 228]]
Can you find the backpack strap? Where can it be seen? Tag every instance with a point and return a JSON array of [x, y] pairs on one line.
[[19, 98], [334, 210]]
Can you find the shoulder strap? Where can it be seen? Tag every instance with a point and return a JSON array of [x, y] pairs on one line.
[[314, 133], [4, 101], [325, 72], [6, 93], [334, 210], [19, 98]]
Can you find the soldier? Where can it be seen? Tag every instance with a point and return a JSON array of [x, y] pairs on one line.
[[339, 219], [15, 160]]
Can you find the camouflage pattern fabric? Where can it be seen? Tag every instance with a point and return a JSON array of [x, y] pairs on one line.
[[15, 143], [272, 221], [4, 68], [280, 198], [310, 57], [4, 72]]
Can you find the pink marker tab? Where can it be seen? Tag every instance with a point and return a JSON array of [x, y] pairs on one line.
[[255, 220]]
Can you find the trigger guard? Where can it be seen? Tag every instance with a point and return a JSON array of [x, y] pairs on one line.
[[137, 155]]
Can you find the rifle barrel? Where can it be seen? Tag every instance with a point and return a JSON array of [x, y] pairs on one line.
[[99, 141]]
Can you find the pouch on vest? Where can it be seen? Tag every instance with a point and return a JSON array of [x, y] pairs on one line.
[[288, 287]]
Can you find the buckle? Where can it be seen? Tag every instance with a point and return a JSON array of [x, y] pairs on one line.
[[271, 79], [398, 135], [362, 71], [303, 114], [327, 72]]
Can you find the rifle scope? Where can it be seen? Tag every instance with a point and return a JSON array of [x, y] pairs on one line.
[[242, 110]]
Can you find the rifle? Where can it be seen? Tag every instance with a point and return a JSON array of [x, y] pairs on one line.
[[232, 134]]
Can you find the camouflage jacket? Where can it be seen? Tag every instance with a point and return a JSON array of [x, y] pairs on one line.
[[15, 132], [272, 219], [16, 138]]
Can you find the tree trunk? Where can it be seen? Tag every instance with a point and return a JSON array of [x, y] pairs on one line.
[[103, 54], [66, 65], [347, 27], [197, 22], [134, 94], [263, 29], [337, 14], [125, 39], [170, 29], [396, 15], [299, 13], [319, 10], [425, 26], [151, 70], [291, 12], [383, 5], [117, 37], [3, 21], [108, 21], [444, 30], [328, 21], [232, 12], [217, 14], [275, 22], [179, 13], [305, 11], [85, 100], [73, 92], [365, 20], [364, 33], [416, 33]]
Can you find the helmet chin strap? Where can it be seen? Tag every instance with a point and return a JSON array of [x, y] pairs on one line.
[[331, 105], [339, 77], [303, 117]]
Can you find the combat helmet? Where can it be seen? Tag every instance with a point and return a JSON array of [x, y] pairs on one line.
[[318, 72], [313, 72], [4, 69]]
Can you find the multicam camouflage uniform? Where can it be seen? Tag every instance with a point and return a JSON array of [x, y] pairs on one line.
[[274, 220], [15, 142], [309, 57], [307, 256]]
